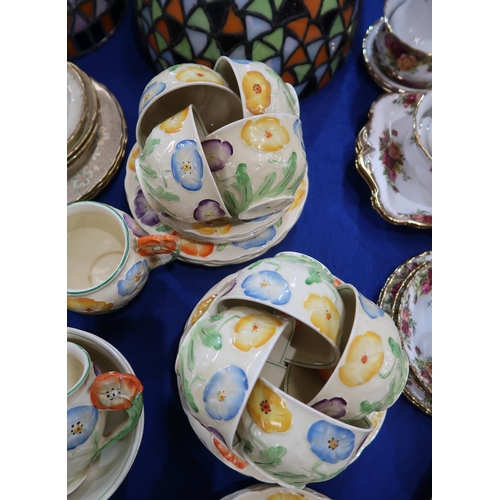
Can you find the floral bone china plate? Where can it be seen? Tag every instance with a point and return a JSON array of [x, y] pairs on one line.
[[396, 193]]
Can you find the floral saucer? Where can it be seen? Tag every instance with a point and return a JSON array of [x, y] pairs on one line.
[[265, 492], [385, 79], [396, 193], [105, 153], [389, 300], [414, 321], [214, 253]]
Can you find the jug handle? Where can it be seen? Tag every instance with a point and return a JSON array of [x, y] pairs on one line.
[[130, 389], [156, 244]]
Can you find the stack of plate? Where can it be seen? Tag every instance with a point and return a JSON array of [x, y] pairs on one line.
[[407, 297]]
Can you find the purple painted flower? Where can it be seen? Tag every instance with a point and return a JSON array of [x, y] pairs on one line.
[[208, 210], [144, 211], [230, 287], [134, 227], [217, 153], [335, 407]]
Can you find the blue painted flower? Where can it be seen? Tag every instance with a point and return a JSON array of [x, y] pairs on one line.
[[259, 240], [225, 392], [150, 92], [81, 422], [370, 307], [134, 279], [187, 165], [330, 442], [335, 407], [217, 153], [134, 227], [144, 211], [208, 210], [258, 219], [267, 285], [297, 128]]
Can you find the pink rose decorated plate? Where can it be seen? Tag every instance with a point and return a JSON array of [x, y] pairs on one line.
[[396, 193]]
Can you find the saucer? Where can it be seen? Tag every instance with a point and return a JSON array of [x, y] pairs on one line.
[[263, 492], [388, 300], [76, 104], [106, 152], [214, 253], [385, 79], [396, 193], [109, 470]]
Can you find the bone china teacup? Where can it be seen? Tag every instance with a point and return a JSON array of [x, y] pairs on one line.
[[90, 396], [109, 257]]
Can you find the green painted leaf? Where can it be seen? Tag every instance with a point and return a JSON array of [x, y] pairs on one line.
[[288, 173], [215, 317], [163, 228], [211, 338], [272, 456], [278, 224], [190, 354], [241, 175], [147, 170], [367, 407], [231, 203], [266, 185], [314, 277], [221, 246], [248, 447], [395, 347], [166, 195], [149, 147]]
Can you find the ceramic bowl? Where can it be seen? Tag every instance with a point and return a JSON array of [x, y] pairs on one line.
[[257, 163], [220, 359], [76, 103], [265, 492], [294, 444], [300, 287], [371, 373], [260, 88], [174, 89], [173, 172]]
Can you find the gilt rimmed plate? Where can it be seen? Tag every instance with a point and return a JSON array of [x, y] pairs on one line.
[[109, 470], [414, 322], [76, 104], [210, 253], [389, 300], [396, 193], [106, 152]]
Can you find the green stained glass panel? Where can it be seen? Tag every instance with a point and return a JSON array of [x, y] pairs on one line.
[[275, 38], [329, 5], [184, 48], [199, 20], [262, 7], [213, 51], [156, 10], [277, 4], [334, 64], [301, 71], [261, 52], [160, 41], [337, 27]]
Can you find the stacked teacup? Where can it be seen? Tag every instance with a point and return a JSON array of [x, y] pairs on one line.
[[219, 146], [286, 367]]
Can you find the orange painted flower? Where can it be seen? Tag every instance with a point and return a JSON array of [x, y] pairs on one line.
[[298, 197], [324, 315], [257, 92], [84, 305], [133, 156], [157, 244], [364, 359], [196, 248], [337, 281], [286, 495], [212, 227], [174, 123], [229, 455], [198, 74], [254, 330], [268, 410], [265, 134], [114, 390]]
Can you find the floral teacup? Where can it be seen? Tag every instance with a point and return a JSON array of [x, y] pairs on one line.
[[90, 395], [107, 264]]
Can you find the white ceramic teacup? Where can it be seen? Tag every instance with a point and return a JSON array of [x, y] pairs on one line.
[[109, 257], [404, 42], [90, 395]]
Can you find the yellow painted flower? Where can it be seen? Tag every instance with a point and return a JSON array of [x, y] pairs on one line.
[[364, 359], [298, 197], [174, 123], [202, 308], [198, 74], [84, 305], [268, 410], [324, 315], [133, 156], [265, 134], [257, 92], [286, 495], [212, 227], [254, 330]]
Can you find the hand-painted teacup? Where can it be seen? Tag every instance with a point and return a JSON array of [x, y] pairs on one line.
[[90, 395], [109, 257], [175, 88]]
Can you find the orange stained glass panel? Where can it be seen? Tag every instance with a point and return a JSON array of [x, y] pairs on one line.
[[233, 23], [71, 48], [324, 80], [346, 48], [299, 56], [68, 20], [152, 42], [107, 22], [161, 27], [203, 62], [322, 57], [347, 15], [313, 6], [312, 33], [174, 9], [299, 26], [341, 3], [86, 8]]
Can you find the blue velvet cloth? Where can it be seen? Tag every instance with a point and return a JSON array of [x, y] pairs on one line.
[[338, 227]]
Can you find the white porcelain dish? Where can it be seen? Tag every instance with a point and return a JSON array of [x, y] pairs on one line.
[[396, 193], [111, 467], [75, 102], [264, 492]]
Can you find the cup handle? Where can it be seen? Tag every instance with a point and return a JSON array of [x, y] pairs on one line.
[[113, 391], [157, 244]]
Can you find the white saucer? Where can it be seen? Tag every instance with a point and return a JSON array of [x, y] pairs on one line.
[[384, 80], [106, 152], [75, 102], [110, 468], [213, 253], [400, 198], [263, 492]]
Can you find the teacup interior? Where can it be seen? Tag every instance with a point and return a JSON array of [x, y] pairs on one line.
[[96, 244], [224, 68], [76, 366]]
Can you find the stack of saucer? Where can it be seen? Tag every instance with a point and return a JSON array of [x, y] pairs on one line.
[[407, 297]]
